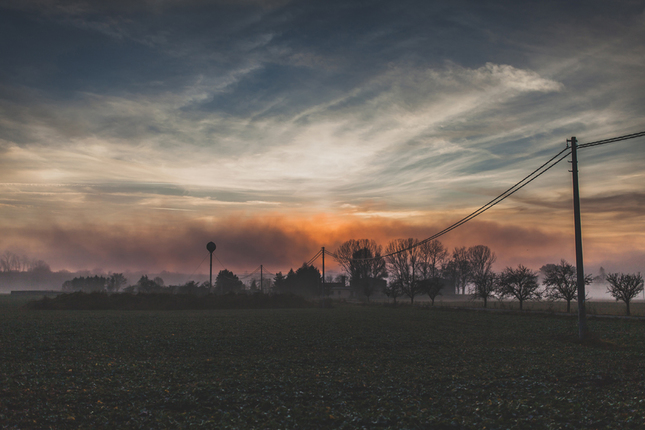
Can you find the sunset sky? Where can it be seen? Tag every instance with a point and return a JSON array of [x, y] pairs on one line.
[[134, 132]]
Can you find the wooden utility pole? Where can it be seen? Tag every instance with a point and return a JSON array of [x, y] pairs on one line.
[[582, 313], [261, 279]]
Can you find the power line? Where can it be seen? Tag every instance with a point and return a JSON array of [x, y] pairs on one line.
[[493, 202], [509, 192], [331, 254], [200, 264], [232, 279], [308, 263], [250, 274], [518, 186], [219, 261], [612, 140]]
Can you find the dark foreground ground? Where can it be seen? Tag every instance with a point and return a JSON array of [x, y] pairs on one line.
[[347, 367]]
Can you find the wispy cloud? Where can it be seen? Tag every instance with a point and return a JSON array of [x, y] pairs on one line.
[[123, 114]]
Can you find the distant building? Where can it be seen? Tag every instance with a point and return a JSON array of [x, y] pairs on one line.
[[338, 290]]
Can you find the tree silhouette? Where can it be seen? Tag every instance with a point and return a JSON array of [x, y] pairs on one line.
[[279, 283], [485, 286], [432, 256], [228, 282], [10, 262], [457, 269], [305, 281], [361, 259], [480, 260], [404, 266], [193, 288], [520, 283], [561, 281], [115, 282], [38, 266], [432, 287], [480, 272], [308, 280], [367, 270], [393, 290], [88, 284], [146, 285], [291, 282], [624, 286]]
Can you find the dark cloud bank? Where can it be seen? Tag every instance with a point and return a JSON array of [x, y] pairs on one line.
[[245, 244]]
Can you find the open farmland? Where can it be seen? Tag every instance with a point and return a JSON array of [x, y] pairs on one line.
[[346, 367], [593, 307]]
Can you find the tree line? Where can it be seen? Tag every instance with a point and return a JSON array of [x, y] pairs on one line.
[[226, 282], [415, 268], [12, 262], [90, 284], [412, 268], [405, 268]]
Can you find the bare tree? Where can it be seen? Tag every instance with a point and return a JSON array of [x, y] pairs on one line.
[[520, 283], [39, 266], [432, 256], [368, 269], [485, 286], [27, 263], [624, 286], [480, 259], [345, 252], [432, 287], [393, 289], [561, 281], [10, 262], [458, 269], [480, 267], [363, 263], [404, 265]]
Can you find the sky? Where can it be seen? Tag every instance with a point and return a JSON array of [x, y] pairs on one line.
[[134, 132]]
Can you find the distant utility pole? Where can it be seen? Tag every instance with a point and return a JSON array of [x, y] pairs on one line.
[[261, 280], [323, 274], [582, 313]]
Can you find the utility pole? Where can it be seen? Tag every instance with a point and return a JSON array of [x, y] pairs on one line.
[[582, 313], [261, 280], [323, 274]]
